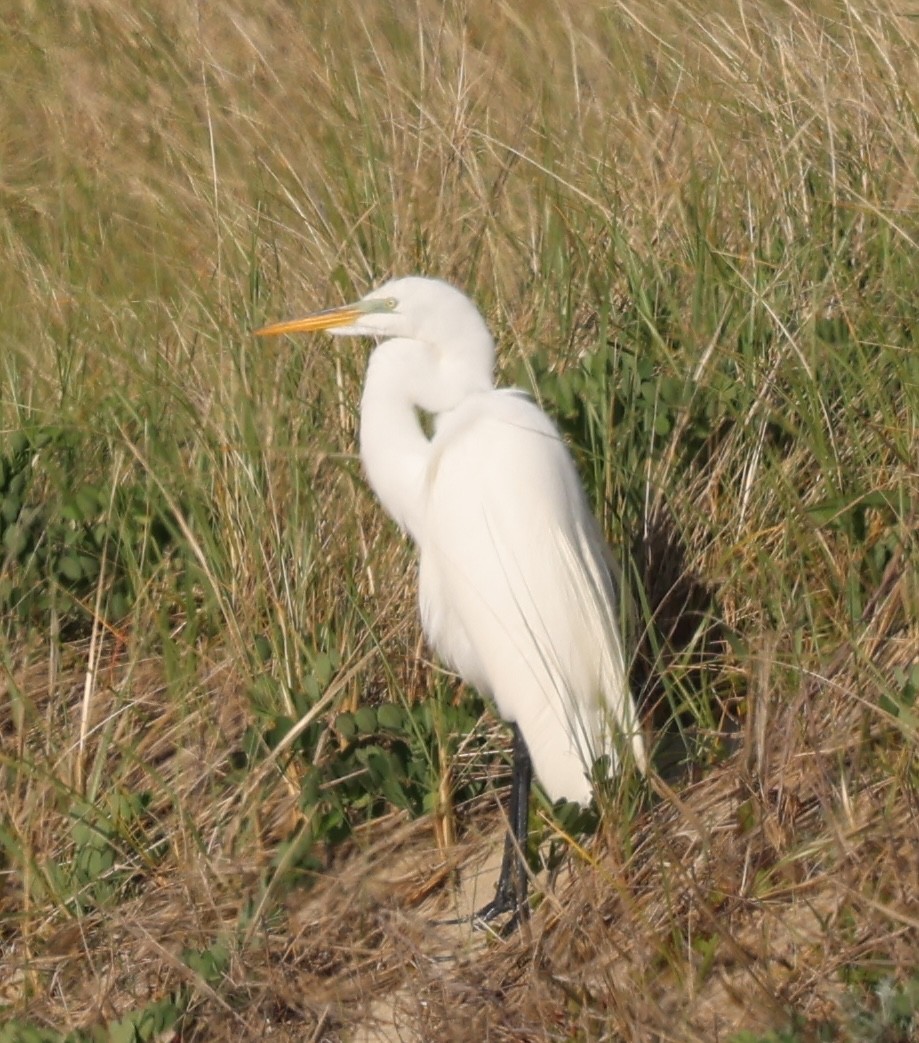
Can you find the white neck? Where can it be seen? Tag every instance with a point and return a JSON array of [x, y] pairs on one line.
[[403, 375], [394, 448]]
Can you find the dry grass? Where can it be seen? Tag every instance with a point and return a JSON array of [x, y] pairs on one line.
[[695, 228]]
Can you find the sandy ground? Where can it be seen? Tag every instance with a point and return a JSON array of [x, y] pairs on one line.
[[453, 940]]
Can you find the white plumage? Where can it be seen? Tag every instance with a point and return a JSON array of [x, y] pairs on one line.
[[515, 593]]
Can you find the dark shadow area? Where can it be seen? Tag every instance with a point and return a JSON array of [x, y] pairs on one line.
[[679, 645]]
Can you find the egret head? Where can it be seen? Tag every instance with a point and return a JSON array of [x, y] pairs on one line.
[[435, 350], [415, 308]]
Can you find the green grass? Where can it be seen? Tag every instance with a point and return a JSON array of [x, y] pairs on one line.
[[234, 788]]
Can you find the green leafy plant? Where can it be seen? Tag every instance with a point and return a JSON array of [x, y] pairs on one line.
[[64, 534]]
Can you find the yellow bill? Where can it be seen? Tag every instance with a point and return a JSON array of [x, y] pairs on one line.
[[326, 319]]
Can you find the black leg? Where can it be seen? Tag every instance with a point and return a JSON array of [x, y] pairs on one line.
[[511, 892]]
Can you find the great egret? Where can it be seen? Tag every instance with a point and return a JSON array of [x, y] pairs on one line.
[[515, 593]]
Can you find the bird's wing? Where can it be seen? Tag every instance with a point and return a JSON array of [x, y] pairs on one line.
[[514, 589]]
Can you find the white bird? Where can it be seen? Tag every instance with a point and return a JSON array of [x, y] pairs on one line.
[[515, 592]]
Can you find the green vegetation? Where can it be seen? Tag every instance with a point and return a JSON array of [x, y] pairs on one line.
[[236, 795]]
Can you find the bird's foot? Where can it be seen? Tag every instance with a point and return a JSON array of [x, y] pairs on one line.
[[498, 906]]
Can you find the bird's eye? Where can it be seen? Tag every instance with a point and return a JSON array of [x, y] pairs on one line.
[[390, 303]]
